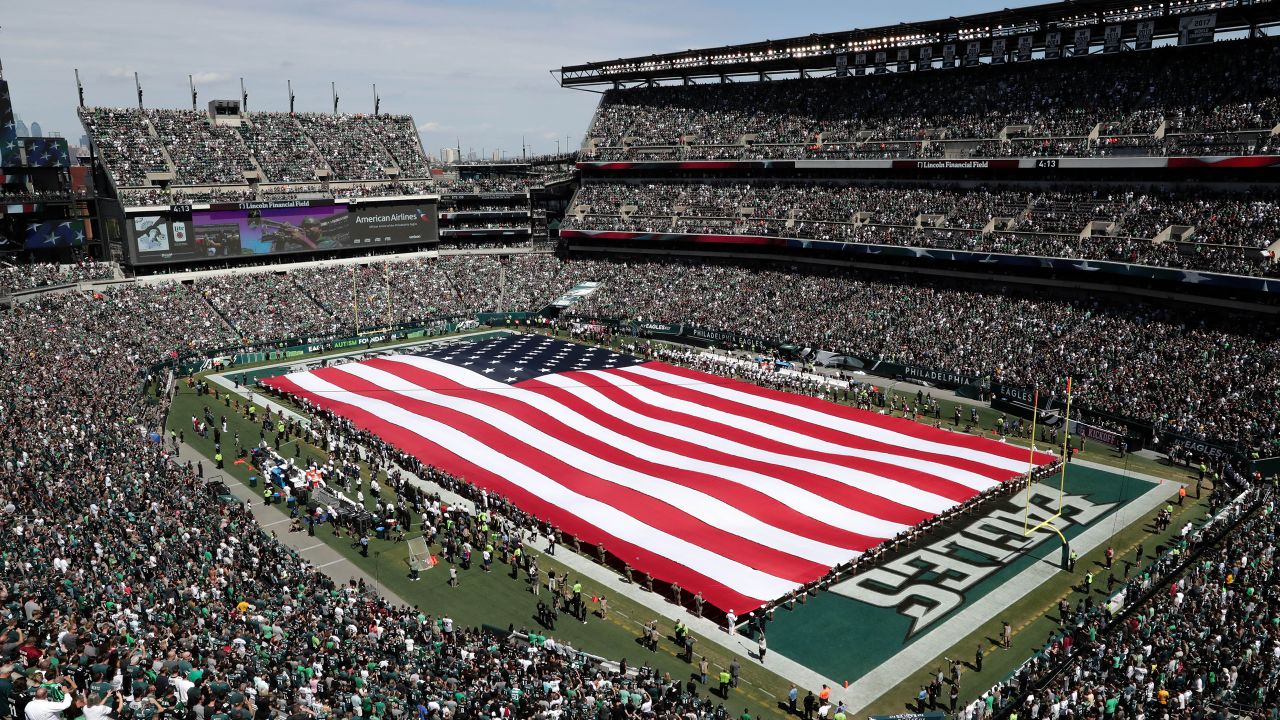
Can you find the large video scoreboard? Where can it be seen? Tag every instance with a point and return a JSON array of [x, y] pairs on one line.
[[190, 233]]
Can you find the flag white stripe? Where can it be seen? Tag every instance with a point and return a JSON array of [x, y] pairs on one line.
[[960, 476], [727, 571], [887, 488], [842, 424], [680, 497], [811, 504]]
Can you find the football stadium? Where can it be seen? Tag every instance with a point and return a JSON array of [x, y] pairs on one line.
[[928, 370]]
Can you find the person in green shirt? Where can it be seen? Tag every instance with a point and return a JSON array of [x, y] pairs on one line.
[[725, 679], [745, 715]]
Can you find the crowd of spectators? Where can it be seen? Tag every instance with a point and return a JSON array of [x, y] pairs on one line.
[[249, 193], [1228, 232], [128, 575], [203, 153], [124, 144], [348, 144], [281, 147], [1196, 374], [288, 148], [1225, 91], [37, 275], [132, 589], [18, 194], [328, 300], [1201, 647], [399, 135]]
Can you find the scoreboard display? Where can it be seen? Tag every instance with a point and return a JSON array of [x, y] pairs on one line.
[[252, 229]]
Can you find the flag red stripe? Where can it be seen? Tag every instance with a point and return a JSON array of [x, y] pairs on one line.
[[764, 507], [651, 511], [928, 483], [818, 431], [846, 495], [714, 592], [888, 422]]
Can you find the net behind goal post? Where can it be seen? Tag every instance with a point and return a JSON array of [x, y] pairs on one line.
[[420, 557]]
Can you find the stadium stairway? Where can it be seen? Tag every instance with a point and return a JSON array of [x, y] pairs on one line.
[[164, 151], [225, 320], [306, 293], [314, 148], [271, 520]]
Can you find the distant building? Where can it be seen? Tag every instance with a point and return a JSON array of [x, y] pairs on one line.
[[22, 130], [36, 130], [84, 141], [449, 156]]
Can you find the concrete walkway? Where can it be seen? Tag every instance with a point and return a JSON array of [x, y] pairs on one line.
[[272, 520]]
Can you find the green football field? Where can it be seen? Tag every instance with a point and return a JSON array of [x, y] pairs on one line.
[[841, 634]]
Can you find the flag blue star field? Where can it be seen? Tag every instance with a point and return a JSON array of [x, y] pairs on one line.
[[45, 152], [733, 490], [8, 129], [64, 233]]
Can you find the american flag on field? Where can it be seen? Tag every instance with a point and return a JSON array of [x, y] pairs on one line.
[[737, 491]]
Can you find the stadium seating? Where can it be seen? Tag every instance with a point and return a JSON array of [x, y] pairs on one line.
[[289, 149], [204, 154], [1206, 376], [37, 275], [125, 144], [1196, 374], [1162, 102], [281, 147], [349, 145], [1208, 231], [399, 135]]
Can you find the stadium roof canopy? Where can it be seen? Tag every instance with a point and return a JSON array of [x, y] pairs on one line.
[[820, 52]]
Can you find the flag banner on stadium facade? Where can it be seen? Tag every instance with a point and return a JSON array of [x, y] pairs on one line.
[[1111, 39], [998, 51], [54, 234], [45, 152], [948, 55], [1053, 45], [972, 53], [904, 60], [882, 61], [860, 64], [736, 491], [842, 65], [8, 129], [926, 58], [1025, 44], [912, 716], [1080, 47], [1146, 31], [1197, 29]]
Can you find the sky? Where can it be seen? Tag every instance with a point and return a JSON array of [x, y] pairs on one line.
[[471, 73]]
